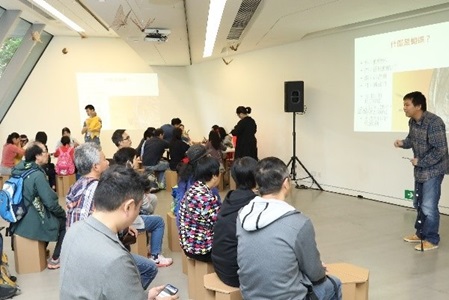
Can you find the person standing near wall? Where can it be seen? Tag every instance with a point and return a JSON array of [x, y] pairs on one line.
[[245, 131], [427, 138], [92, 126]]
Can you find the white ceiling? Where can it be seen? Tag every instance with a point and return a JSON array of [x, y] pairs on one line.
[[275, 22]]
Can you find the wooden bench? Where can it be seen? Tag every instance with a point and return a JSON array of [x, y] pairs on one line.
[[217, 290], [195, 275], [63, 184], [29, 255]]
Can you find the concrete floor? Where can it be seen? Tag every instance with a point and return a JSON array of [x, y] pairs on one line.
[[348, 229]]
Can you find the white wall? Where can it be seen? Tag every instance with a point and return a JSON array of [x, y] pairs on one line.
[[364, 164], [208, 93], [49, 99]]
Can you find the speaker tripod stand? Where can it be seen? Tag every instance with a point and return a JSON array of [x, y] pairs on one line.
[[294, 159]]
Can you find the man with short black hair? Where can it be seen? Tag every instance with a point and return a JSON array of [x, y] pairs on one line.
[[96, 265], [168, 128], [92, 126], [277, 253], [121, 138], [427, 138], [152, 160]]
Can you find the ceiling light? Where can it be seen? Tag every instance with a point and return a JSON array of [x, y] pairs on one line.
[[216, 8], [56, 13]]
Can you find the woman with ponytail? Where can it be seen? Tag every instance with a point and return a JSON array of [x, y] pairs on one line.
[[245, 131]]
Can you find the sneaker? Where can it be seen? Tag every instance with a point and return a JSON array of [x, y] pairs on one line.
[[53, 264], [426, 246], [412, 239], [162, 261]]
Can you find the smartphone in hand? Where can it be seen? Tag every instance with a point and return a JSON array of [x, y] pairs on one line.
[[169, 290]]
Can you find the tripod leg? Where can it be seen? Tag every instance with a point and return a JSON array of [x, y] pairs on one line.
[[310, 175]]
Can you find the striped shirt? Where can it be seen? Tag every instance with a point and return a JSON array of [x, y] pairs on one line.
[[427, 138]]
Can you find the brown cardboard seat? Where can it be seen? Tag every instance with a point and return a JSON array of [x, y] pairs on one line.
[[217, 290]]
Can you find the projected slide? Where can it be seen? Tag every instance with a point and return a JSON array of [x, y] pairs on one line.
[[122, 100], [390, 65]]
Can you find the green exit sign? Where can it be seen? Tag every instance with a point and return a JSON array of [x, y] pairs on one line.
[[408, 194]]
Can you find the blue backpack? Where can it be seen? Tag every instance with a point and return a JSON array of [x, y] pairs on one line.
[[12, 206]]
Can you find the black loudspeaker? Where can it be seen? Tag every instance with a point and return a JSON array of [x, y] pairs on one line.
[[294, 96]]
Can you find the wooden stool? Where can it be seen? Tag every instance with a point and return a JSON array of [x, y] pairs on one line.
[[172, 230], [184, 262], [3, 178], [221, 182], [195, 275], [354, 280], [171, 179], [63, 184], [29, 255], [217, 290], [140, 246]]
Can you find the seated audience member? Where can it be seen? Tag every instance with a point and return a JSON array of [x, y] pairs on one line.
[[121, 138], [168, 128], [146, 136], [224, 247], [73, 142], [152, 224], [226, 139], [198, 211], [91, 163], [216, 148], [177, 148], [186, 172], [23, 141], [49, 167], [95, 264], [66, 159], [45, 219], [11, 151], [152, 156], [185, 135], [268, 227]]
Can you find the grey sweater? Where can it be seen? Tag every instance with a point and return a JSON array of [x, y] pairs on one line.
[[277, 253]]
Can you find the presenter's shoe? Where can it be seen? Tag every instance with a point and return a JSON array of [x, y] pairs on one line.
[[53, 264], [412, 238], [426, 246], [161, 261]]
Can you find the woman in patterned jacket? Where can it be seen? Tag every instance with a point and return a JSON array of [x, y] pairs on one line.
[[198, 211]]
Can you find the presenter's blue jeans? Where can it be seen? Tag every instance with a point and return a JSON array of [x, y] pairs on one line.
[[430, 192], [147, 269]]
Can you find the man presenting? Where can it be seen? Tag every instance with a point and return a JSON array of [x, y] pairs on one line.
[[427, 138]]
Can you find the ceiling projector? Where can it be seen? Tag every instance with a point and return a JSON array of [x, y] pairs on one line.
[[156, 34]]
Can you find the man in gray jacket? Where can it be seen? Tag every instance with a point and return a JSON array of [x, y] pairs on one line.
[[277, 253], [94, 263]]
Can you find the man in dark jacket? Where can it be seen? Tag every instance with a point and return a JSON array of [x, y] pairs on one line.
[[224, 248], [45, 219]]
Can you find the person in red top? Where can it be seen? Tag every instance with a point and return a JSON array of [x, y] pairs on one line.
[[10, 150]]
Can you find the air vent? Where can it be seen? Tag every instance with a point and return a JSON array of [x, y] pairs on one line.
[[244, 15], [37, 9]]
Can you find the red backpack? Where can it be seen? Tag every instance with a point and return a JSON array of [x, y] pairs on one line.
[[65, 164]]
